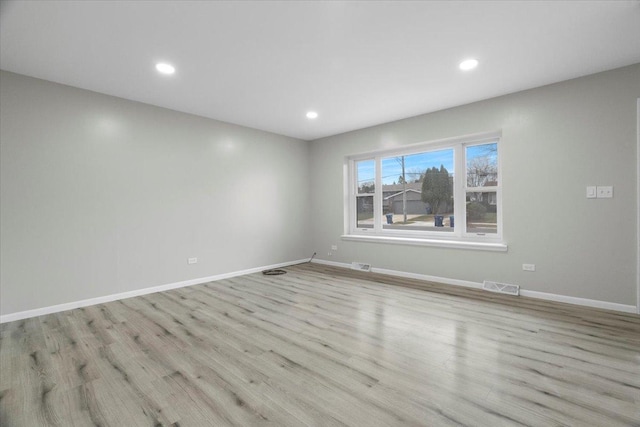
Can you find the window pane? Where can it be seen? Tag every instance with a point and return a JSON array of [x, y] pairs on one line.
[[364, 211], [365, 176], [417, 191], [482, 165], [481, 212]]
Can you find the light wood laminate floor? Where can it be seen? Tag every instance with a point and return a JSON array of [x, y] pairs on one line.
[[322, 346]]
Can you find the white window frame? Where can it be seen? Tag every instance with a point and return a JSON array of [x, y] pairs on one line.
[[458, 237]]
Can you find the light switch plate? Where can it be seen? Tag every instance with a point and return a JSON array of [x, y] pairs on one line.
[[591, 192]]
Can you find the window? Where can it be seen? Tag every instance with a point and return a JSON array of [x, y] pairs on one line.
[[443, 191]]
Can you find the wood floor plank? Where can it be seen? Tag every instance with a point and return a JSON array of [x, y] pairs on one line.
[[322, 346]]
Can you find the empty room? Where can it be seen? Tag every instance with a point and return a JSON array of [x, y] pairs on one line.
[[319, 213]]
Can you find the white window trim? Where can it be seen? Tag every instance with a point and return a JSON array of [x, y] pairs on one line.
[[454, 239], [439, 243]]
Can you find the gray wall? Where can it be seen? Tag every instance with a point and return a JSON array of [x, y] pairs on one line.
[[556, 140], [101, 195]]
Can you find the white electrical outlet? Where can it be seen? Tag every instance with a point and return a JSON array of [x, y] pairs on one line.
[[604, 192], [334, 247], [192, 261], [529, 267]]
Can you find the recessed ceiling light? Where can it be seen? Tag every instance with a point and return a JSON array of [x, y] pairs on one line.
[[312, 115], [165, 68], [469, 64]]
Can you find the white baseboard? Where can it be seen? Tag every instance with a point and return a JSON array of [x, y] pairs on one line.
[[331, 263], [525, 293], [408, 275], [448, 281], [445, 280], [579, 301], [113, 297]]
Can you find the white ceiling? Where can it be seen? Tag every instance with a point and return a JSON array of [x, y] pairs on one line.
[[265, 64]]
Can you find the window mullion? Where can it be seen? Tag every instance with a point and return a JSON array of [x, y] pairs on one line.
[[352, 196], [459, 194], [377, 205]]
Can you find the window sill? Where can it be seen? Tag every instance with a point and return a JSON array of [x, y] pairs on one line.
[[453, 244]]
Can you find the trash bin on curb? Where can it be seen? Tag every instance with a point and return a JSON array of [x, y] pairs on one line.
[[389, 218], [451, 221], [438, 220]]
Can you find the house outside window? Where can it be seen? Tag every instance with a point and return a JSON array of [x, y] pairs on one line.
[[447, 190]]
